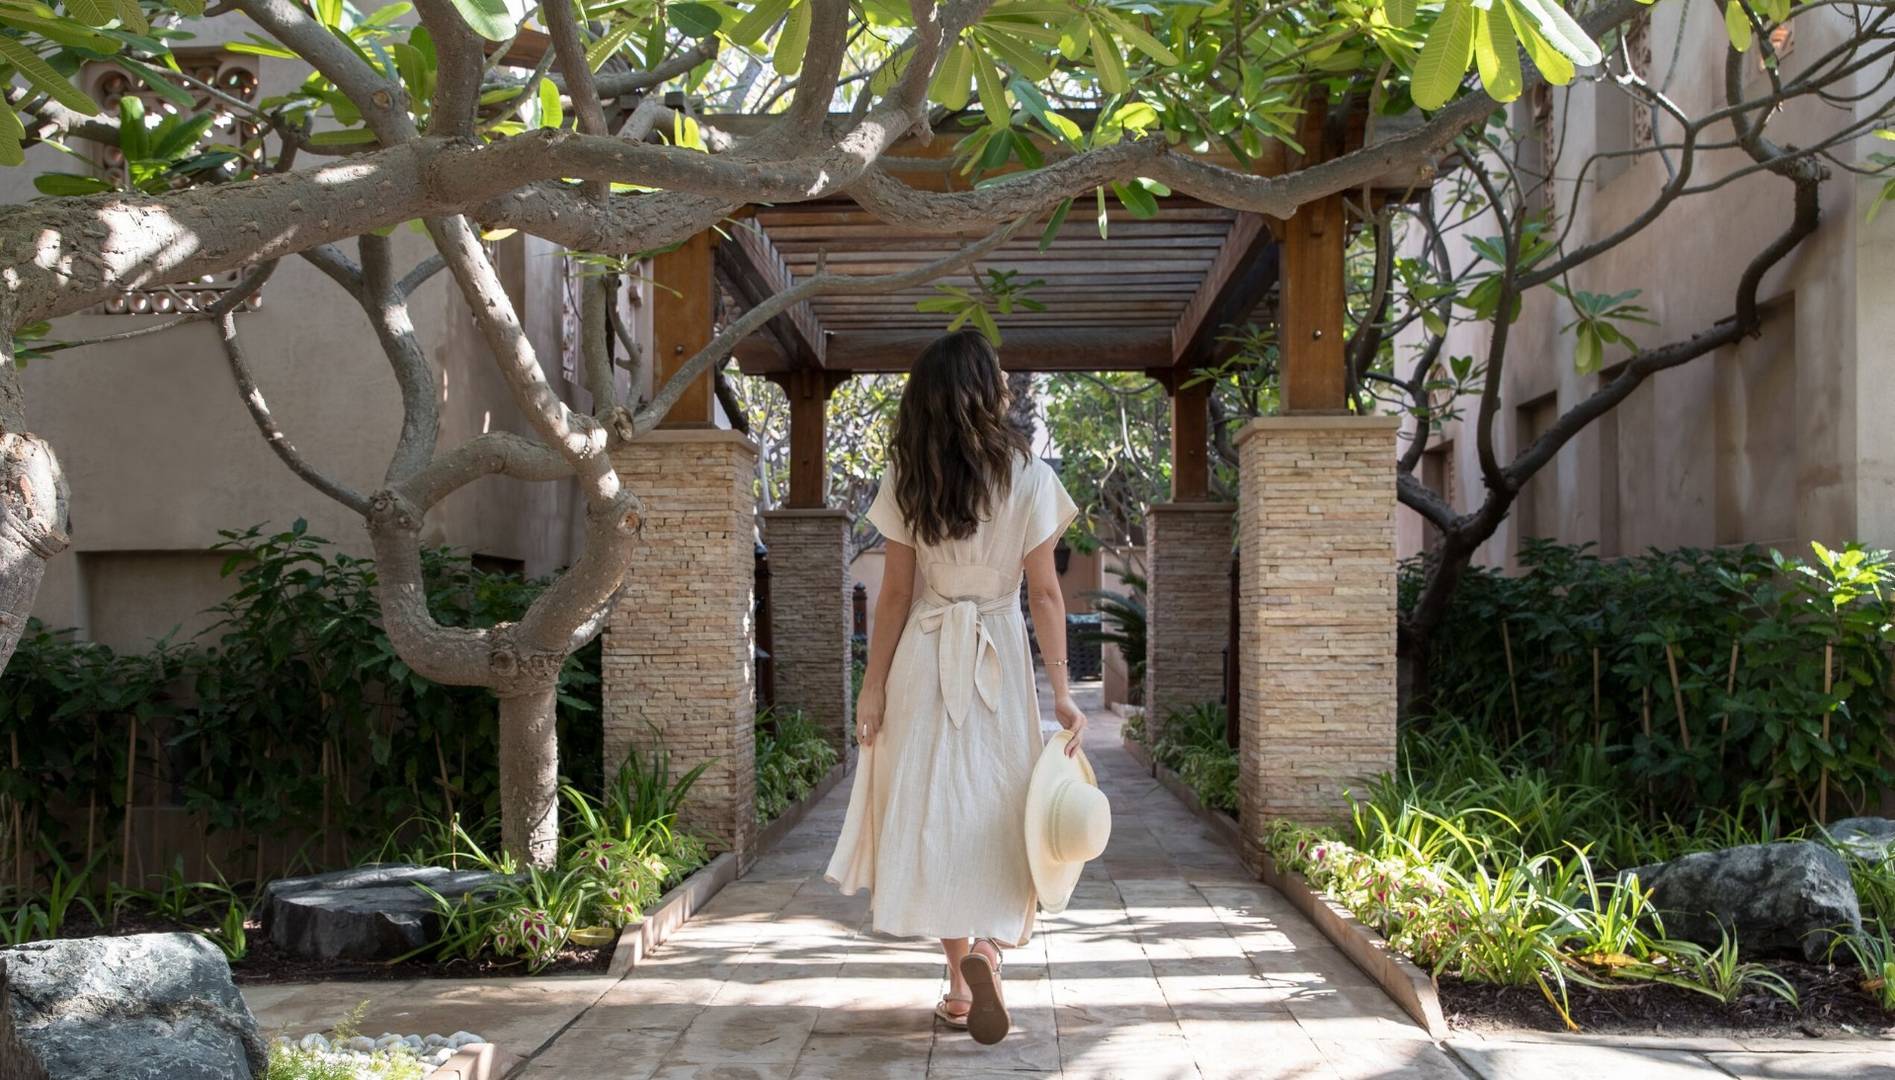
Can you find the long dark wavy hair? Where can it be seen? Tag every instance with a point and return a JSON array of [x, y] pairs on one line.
[[953, 450]]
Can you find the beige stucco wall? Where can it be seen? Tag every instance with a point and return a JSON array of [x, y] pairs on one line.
[[1777, 441], [161, 454]]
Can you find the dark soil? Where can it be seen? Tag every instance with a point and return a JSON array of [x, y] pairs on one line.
[[264, 963], [1830, 1001]]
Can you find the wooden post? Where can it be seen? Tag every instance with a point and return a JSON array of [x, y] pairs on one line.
[[683, 309], [808, 390], [1190, 454], [1314, 291]]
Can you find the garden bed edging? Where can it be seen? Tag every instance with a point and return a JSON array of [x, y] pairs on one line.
[[1406, 984], [637, 940]]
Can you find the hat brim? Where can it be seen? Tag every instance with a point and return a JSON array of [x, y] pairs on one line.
[[1054, 881]]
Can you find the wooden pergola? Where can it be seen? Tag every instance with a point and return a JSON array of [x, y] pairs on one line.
[[1153, 295]]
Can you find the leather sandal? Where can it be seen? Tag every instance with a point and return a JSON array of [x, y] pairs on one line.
[[987, 1019], [956, 1020]]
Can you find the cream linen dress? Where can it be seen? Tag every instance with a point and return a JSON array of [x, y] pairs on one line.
[[935, 828]]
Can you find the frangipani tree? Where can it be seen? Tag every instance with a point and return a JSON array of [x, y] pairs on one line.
[[612, 146]]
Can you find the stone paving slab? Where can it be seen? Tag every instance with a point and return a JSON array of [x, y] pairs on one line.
[[1171, 962]]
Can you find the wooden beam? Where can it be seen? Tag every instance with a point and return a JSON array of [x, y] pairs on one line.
[[808, 391], [683, 309], [758, 271], [1025, 349], [1314, 287], [1237, 280], [1190, 442]]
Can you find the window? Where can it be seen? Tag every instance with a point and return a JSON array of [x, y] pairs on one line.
[[1622, 122], [1536, 512]]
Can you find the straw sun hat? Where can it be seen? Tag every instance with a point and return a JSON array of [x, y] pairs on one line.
[[1068, 821]]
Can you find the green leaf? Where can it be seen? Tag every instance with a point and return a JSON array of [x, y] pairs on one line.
[[1559, 29], [793, 42], [1497, 55], [63, 31], [753, 26], [1100, 192], [1107, 62], [610, 43], [342, 137], [132, 17], [552, 110], [1552, 64], [1445, 56], [1136, 199], [952, 80], [134, 141], [38, 72], [68, 183], [1074, 37], [693, 20], [488, 18], [156, 82], [1139, 39], [1588, 351], [1053, 226], [993, 96], [1737, 25], [1401, 13], [92, 12]]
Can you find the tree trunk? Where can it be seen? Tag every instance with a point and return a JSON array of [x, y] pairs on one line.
[[32, 528], [529, 776]]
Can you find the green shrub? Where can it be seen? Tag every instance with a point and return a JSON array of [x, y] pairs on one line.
[[291, 716], [1693, 677], [1194, 747], [617, 857], [792, 758]]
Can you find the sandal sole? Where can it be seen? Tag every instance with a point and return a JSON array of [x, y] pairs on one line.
[[987, 1020]]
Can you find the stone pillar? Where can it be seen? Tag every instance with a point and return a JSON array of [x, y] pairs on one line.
[[678, 663], [1187, 607], [810, 615], [1317, 614]]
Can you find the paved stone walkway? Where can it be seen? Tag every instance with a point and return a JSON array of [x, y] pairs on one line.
[[1170, 963]]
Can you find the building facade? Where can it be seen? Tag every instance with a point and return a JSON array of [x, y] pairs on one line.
[[1777, 441]]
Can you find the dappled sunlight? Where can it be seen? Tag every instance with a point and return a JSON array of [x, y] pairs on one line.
[[1160, 967]]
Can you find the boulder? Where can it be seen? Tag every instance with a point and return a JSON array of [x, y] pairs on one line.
[[1866, 837], [1774, 898], [368, 913], [144, 1007]]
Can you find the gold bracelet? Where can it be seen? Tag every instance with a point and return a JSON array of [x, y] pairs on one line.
[[1054, 663]]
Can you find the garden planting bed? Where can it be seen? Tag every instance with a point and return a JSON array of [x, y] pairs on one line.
[[1830, 1004]]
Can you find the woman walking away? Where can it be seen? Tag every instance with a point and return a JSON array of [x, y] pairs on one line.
[[948, 718]]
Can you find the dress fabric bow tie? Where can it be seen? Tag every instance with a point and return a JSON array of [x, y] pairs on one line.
[[970, 661]]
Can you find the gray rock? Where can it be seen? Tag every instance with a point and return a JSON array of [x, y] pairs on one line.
[[1774, 898], [368, 913], [144, 1007], [1866, 837]]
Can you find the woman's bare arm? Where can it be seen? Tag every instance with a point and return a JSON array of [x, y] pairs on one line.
[[891, 617], [1048, 606]]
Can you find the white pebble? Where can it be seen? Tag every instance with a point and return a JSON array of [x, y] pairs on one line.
[[439, 1057], [315, 1041]]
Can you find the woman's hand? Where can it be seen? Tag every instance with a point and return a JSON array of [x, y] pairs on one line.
[[1072, 718], [868, 714]]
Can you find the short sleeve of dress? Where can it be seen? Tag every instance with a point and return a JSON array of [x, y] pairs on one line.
[[1051, 509], [885, 515]]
